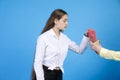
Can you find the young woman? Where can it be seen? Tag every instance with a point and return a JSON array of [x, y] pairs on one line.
[[52, 46]]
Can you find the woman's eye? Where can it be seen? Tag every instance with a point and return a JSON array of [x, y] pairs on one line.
[[64, 21]]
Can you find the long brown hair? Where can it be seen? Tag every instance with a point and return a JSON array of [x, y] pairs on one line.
[[56, 14]]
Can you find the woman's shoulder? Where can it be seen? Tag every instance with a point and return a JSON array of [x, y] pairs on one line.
[[43, 35], [65, 36]]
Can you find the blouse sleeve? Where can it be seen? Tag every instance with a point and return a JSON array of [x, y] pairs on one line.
[[79, 48], [110, 54], [39, 55]]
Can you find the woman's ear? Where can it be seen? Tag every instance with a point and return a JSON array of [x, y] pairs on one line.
[[56, 21]]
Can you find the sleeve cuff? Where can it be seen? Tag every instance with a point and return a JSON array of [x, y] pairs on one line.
[[103, 51]]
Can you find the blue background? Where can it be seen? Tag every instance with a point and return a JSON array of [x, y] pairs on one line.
[[21, 22]]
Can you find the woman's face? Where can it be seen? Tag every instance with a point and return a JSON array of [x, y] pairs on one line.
[[62, 23]]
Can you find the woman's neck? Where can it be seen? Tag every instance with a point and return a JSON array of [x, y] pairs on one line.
[[57, 31]]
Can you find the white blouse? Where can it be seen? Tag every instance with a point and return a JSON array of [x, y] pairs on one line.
[[51, 51]]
